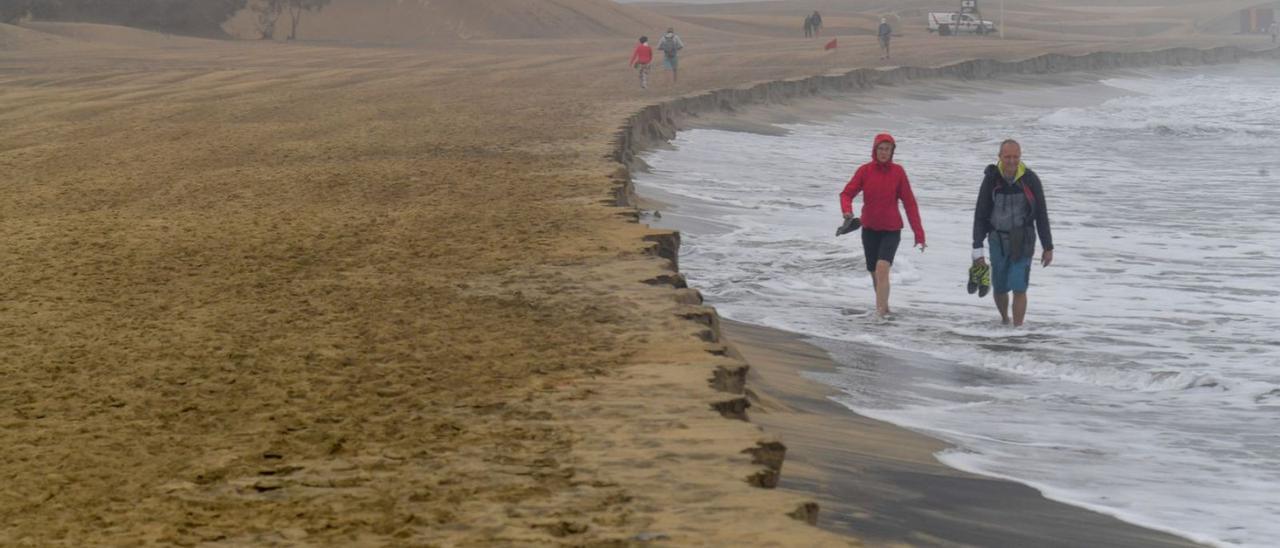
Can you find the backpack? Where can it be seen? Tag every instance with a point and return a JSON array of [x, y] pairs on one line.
[[1026, 191], [669, 46], [1031, 196]]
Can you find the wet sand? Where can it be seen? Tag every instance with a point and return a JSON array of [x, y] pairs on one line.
[[882, 483]]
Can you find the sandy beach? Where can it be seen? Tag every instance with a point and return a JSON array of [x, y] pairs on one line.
[[375, 288]]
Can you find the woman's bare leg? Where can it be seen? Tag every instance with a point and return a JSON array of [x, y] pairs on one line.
[[881, 280]]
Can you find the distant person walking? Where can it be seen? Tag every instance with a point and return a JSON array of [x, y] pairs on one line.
[[640, 60], [808, 26], [882, 184], [1011, 211], [1274, 29], [885, 32], [671, 44], [817, 22]]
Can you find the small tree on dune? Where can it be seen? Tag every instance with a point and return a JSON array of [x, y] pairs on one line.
[[296, 7], [266, 12], [12, 11]]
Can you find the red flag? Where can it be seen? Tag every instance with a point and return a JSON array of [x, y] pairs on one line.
[[830, 45]]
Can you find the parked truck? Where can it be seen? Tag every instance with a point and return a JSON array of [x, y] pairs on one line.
[[949, 23]]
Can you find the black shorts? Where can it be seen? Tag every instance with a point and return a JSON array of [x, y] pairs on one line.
[[879, 245]]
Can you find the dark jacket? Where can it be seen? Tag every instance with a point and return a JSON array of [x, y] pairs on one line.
[[994, 182]]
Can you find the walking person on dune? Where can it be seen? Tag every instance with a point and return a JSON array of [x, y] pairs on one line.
[[671, 44], [641, 57], [882, 184], [884, 32], [1011, 211]]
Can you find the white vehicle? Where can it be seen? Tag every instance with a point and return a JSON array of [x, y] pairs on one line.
[[948, 23]]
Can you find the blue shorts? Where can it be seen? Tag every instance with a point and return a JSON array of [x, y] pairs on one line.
[[671, 63], [1007, 275]]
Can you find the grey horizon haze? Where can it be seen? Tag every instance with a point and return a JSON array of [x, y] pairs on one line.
[[688, 1]]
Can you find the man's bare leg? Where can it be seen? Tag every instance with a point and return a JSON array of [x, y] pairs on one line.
[[1002, 304], [1019, 308], [881, 281]]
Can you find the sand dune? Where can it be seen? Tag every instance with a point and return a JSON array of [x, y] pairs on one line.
[[16, 38], [427, 21], [94, 35]]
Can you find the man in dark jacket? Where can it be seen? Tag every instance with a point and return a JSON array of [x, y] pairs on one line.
[[1011, 212], [885, 33]]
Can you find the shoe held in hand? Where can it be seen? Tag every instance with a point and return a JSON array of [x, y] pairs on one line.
[[850, 224]]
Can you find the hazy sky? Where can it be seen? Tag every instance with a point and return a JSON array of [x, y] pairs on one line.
[[686, 1]]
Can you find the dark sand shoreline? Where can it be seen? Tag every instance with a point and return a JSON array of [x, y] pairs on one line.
[[882, 483]]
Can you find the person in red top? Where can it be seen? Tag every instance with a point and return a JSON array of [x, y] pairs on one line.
[[640, 59], [882, 184]]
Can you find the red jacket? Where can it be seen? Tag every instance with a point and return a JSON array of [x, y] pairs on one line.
[[642, 55], [882, 185]]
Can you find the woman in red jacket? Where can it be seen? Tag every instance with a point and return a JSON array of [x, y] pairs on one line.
[[882, 184], [640, 59]]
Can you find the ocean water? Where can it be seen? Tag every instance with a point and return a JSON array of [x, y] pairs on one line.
[[1146, 383]]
